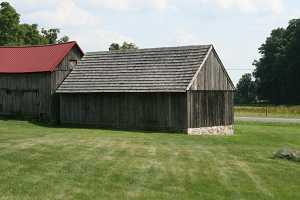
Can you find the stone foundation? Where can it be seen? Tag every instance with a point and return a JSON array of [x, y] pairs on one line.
[[215, 130]]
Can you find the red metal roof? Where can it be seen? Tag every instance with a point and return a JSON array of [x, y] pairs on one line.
[[27, 59]]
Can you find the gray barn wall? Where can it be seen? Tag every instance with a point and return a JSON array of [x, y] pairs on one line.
[[147, 111], [64, 68], [57, 77], [212, 76], [30, 95], [210, 108], [210, 98], [24, 94]]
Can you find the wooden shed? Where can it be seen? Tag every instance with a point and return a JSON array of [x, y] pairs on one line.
[[173, 88], [30, 75]]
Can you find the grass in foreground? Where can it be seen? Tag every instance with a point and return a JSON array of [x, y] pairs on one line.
[[272, 111], [37, 162]]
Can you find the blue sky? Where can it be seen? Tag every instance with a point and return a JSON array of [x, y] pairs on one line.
[[235, 27]]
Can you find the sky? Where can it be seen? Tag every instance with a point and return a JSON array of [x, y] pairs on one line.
[[236, 28]]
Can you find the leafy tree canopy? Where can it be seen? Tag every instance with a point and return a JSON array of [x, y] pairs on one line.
[[245, 90], [124, 46], [278, 70], [14, 33]]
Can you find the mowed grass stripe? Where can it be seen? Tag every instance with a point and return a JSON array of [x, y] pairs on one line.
[[40, 162]]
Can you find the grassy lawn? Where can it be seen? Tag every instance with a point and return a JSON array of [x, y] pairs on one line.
[[38, 162], [273, 111]]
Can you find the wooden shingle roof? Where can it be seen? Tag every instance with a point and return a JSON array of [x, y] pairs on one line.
[[169, 69]]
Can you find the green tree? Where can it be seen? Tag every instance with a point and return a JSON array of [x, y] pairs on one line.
[[278, 70], [29, 34], [291, 62], [50, 35], [269, 72], [9, 24], [63, 39], [246, 91], [14, 33], [114, 46], [124, 46]]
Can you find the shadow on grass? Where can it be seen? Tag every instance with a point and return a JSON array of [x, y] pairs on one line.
[[45, 124]]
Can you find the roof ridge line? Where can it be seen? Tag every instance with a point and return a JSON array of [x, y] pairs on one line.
[[152, 48], [39, 45]]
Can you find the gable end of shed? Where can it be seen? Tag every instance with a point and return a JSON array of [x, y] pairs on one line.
[[211, 75]]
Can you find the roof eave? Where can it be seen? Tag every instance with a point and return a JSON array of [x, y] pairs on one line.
[[60, 91], [64, 55], [220, 61], [200, 67]]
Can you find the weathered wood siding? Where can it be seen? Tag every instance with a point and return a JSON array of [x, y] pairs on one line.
[[209, 108], [64, 68], [58, 76], [212, 76], [210, 98], [31, 94], [25, 94], [146, 111]]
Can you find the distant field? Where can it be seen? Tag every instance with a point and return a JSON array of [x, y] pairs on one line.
[[41, 162], [272, 111]]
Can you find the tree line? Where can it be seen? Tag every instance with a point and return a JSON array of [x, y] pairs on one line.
[[14, 33], [276, 78]]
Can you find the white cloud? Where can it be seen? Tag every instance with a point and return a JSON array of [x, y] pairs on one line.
[[184, 37], [65, 13], [79, 24], [97, 40], [275, 6], [125, 5], [32, 4]]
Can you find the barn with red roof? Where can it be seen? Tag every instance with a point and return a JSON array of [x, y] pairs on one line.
[[29, 76]]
